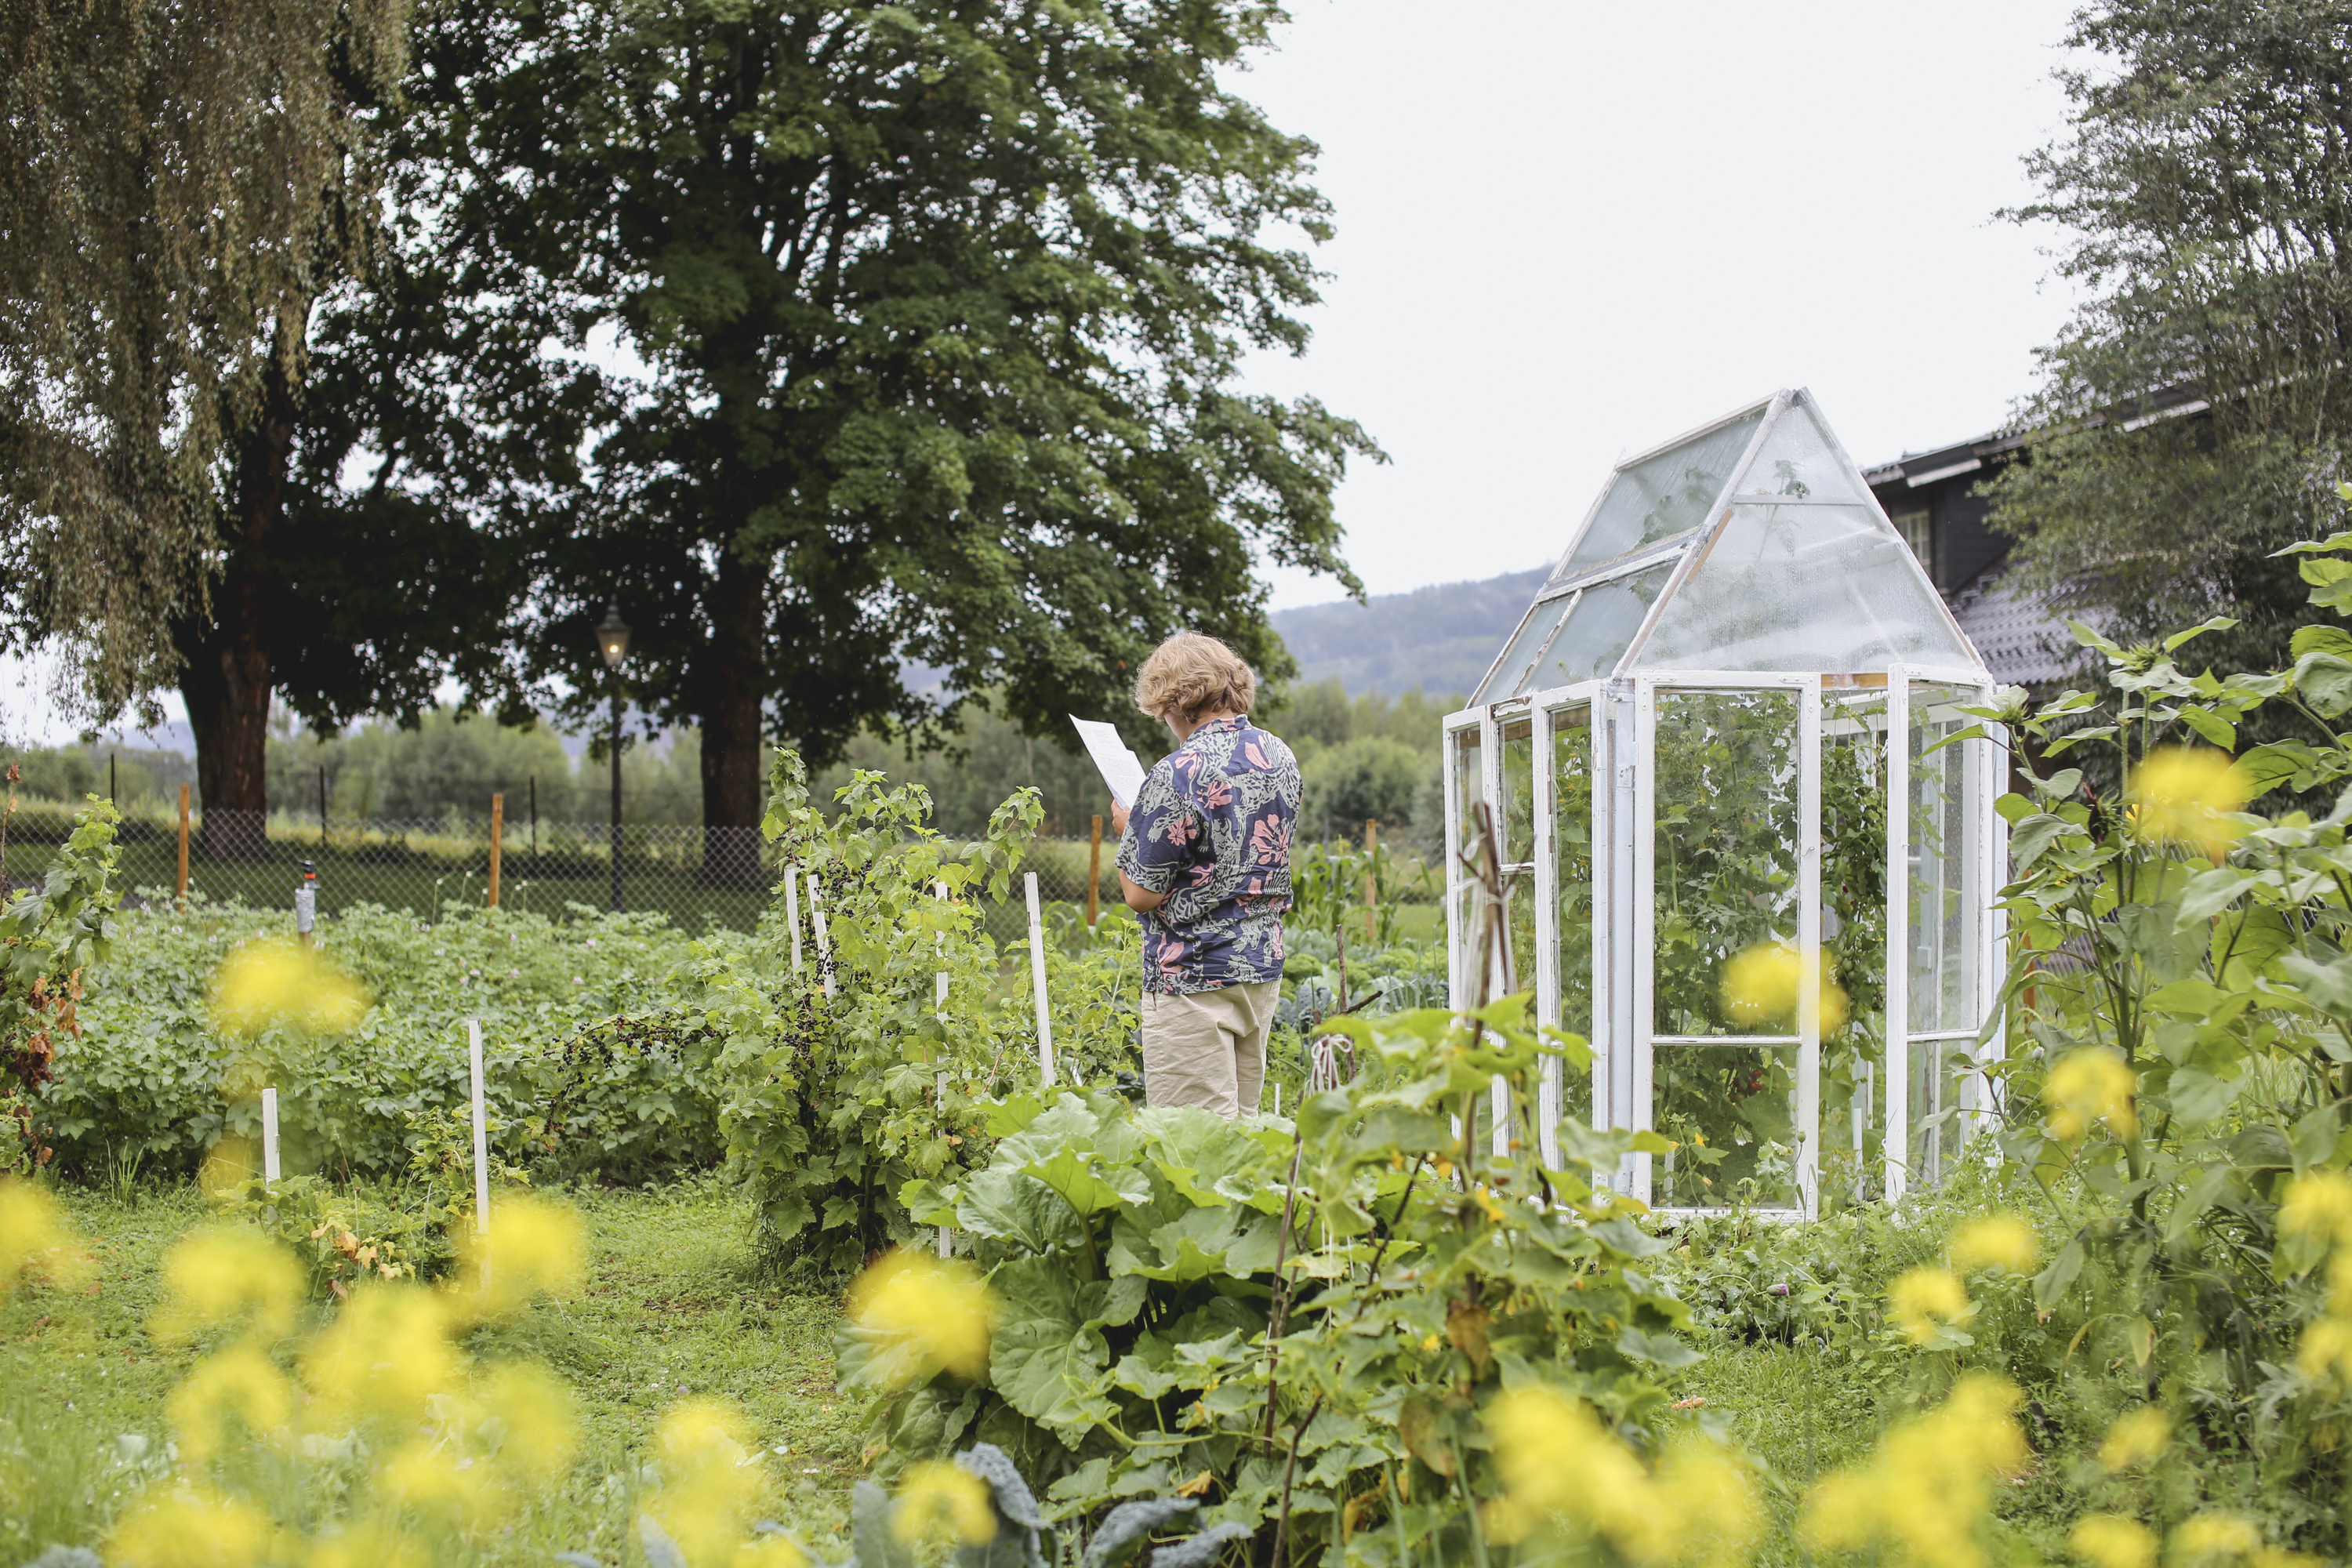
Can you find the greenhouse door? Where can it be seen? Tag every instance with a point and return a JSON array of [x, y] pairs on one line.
[[1946, 857], [1725, 1013]]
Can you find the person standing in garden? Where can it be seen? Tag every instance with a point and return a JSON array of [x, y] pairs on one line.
[[1204, 859]]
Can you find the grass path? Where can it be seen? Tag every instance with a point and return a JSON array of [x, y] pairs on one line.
[[671, 1311]]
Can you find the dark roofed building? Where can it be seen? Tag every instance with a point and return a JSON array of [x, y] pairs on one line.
[[1932, 498]]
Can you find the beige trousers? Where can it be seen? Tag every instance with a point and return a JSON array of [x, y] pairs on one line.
[[1208, 1048]]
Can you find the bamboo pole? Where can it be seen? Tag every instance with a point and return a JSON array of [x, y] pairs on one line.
[[1094, 876], [183, 885], [1372, 886], [497, 840]]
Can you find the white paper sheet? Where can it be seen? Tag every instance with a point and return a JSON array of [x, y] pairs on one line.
[[1119, 767]]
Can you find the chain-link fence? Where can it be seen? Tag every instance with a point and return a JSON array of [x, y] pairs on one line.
[[696, 876]]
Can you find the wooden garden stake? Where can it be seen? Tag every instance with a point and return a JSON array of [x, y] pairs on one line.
[[1371, 885], [1094, 878], [1037, 975], [481, 1146], [497, 838], [183, 887]]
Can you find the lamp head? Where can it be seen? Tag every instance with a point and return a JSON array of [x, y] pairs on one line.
[[613, 637]]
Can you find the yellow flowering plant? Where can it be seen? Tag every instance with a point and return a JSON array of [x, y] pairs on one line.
[[2179, 1012]]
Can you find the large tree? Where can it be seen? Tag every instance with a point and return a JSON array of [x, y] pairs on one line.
[[939, 309], [215, 381], [2205, 187]]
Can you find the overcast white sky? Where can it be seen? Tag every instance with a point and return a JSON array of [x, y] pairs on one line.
[[1568, 231]]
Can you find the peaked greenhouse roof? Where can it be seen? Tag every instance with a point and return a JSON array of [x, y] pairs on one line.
[[1751, 543]]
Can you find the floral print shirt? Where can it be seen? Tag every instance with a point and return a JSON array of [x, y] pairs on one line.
[[1211, 828]]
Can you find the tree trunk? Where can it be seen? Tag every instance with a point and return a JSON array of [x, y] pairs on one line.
[[226, 673], [735, 685]]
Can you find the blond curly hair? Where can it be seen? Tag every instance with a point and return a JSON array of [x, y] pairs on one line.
[[1191, 675]]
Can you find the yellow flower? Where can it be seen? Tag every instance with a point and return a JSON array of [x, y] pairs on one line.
[[926, 1312], [2092, 1084], [2185, 795], [240, 1382], [2214, 1535], [1999, 1241], [2326, 1349], [1929, 1489], [368, 1545], [387, 1352], [1557, 1461], [2137, 1437], [227, 1166], [218, 1276], [192, 1529], [275, 983], [534, 1416], [1922, 1301], [2318, 1203], [364, 1546], [534, 1246], [936, 1493], [1760, 985], [32, 1231], [2111, 1540], [710, 1485], [426, 1476]]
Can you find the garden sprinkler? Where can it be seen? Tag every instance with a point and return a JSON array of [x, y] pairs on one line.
[[306, 902]]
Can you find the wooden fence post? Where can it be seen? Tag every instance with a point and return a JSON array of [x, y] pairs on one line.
[[1094, 876], [183, 886], [1372, 886], [497, 839]]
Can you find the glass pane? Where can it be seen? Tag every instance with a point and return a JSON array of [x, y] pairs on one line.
[[1571, 843], [1798, 460], [1727, 824], [1731, 1114], [1664, 496], [1854, 932], [1804, 588], [1517, 827], [1941, 968], [1469, 788], [1509, 678], [1939, 1084], [1599, 629]]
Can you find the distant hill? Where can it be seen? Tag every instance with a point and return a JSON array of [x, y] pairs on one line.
[[1438, 639]]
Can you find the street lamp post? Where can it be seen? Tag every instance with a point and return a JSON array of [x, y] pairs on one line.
[[612, 641]]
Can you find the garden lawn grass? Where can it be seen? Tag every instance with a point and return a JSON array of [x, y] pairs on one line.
[[1798, 1412], [671, 1309]]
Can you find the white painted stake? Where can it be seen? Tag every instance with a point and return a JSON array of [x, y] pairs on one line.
[[482, 1139], [1037, 974], [939, 1000], [792, 910], [823, 947], [269, 1136]]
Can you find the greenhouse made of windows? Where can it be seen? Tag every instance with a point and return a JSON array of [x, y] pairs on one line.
[[1745, 830]]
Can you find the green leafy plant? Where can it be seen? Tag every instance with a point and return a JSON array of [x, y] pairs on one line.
[[844, 1080], [50, 937], [2180, 1052], [1298, 1323]]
